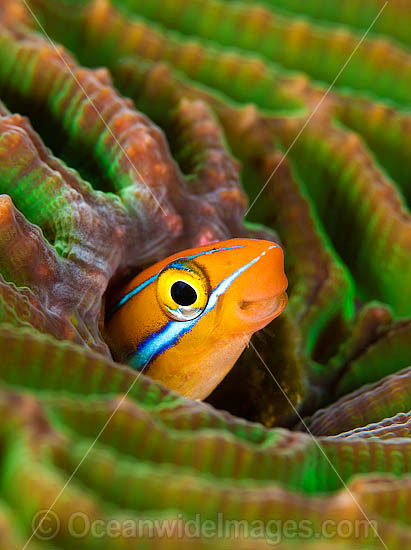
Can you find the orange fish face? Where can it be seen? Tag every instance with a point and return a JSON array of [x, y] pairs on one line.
[[185, 320]]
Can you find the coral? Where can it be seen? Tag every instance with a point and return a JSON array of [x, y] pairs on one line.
[[144, 189], [157, 454], [291, 102]]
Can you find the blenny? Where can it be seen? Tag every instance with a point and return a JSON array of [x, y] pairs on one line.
[[185, 320]]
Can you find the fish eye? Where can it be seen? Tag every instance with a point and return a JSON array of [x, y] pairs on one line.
[[182, 290]]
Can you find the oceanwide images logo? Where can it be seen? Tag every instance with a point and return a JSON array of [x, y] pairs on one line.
[[47, 525]]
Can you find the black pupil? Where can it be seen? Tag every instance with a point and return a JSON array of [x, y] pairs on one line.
[[183, 294]]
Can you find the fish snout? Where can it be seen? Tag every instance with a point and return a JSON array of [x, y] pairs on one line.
[[263, 295]]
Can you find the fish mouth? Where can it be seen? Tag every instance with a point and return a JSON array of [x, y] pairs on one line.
[[263, 310]]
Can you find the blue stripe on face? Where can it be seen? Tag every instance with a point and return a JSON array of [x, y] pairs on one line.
[[136, 290], [130, 294], [173, 331]]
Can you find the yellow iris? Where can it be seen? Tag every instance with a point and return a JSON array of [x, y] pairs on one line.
[[183, 290]]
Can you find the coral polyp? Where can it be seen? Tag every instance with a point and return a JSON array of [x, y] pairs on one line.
[[132, 130]]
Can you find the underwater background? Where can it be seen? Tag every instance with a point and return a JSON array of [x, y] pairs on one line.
[[132, 129]]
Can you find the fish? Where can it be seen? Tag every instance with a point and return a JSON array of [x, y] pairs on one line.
[[185, 320]]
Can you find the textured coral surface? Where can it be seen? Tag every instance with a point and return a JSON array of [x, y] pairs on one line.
[[131, 129]]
